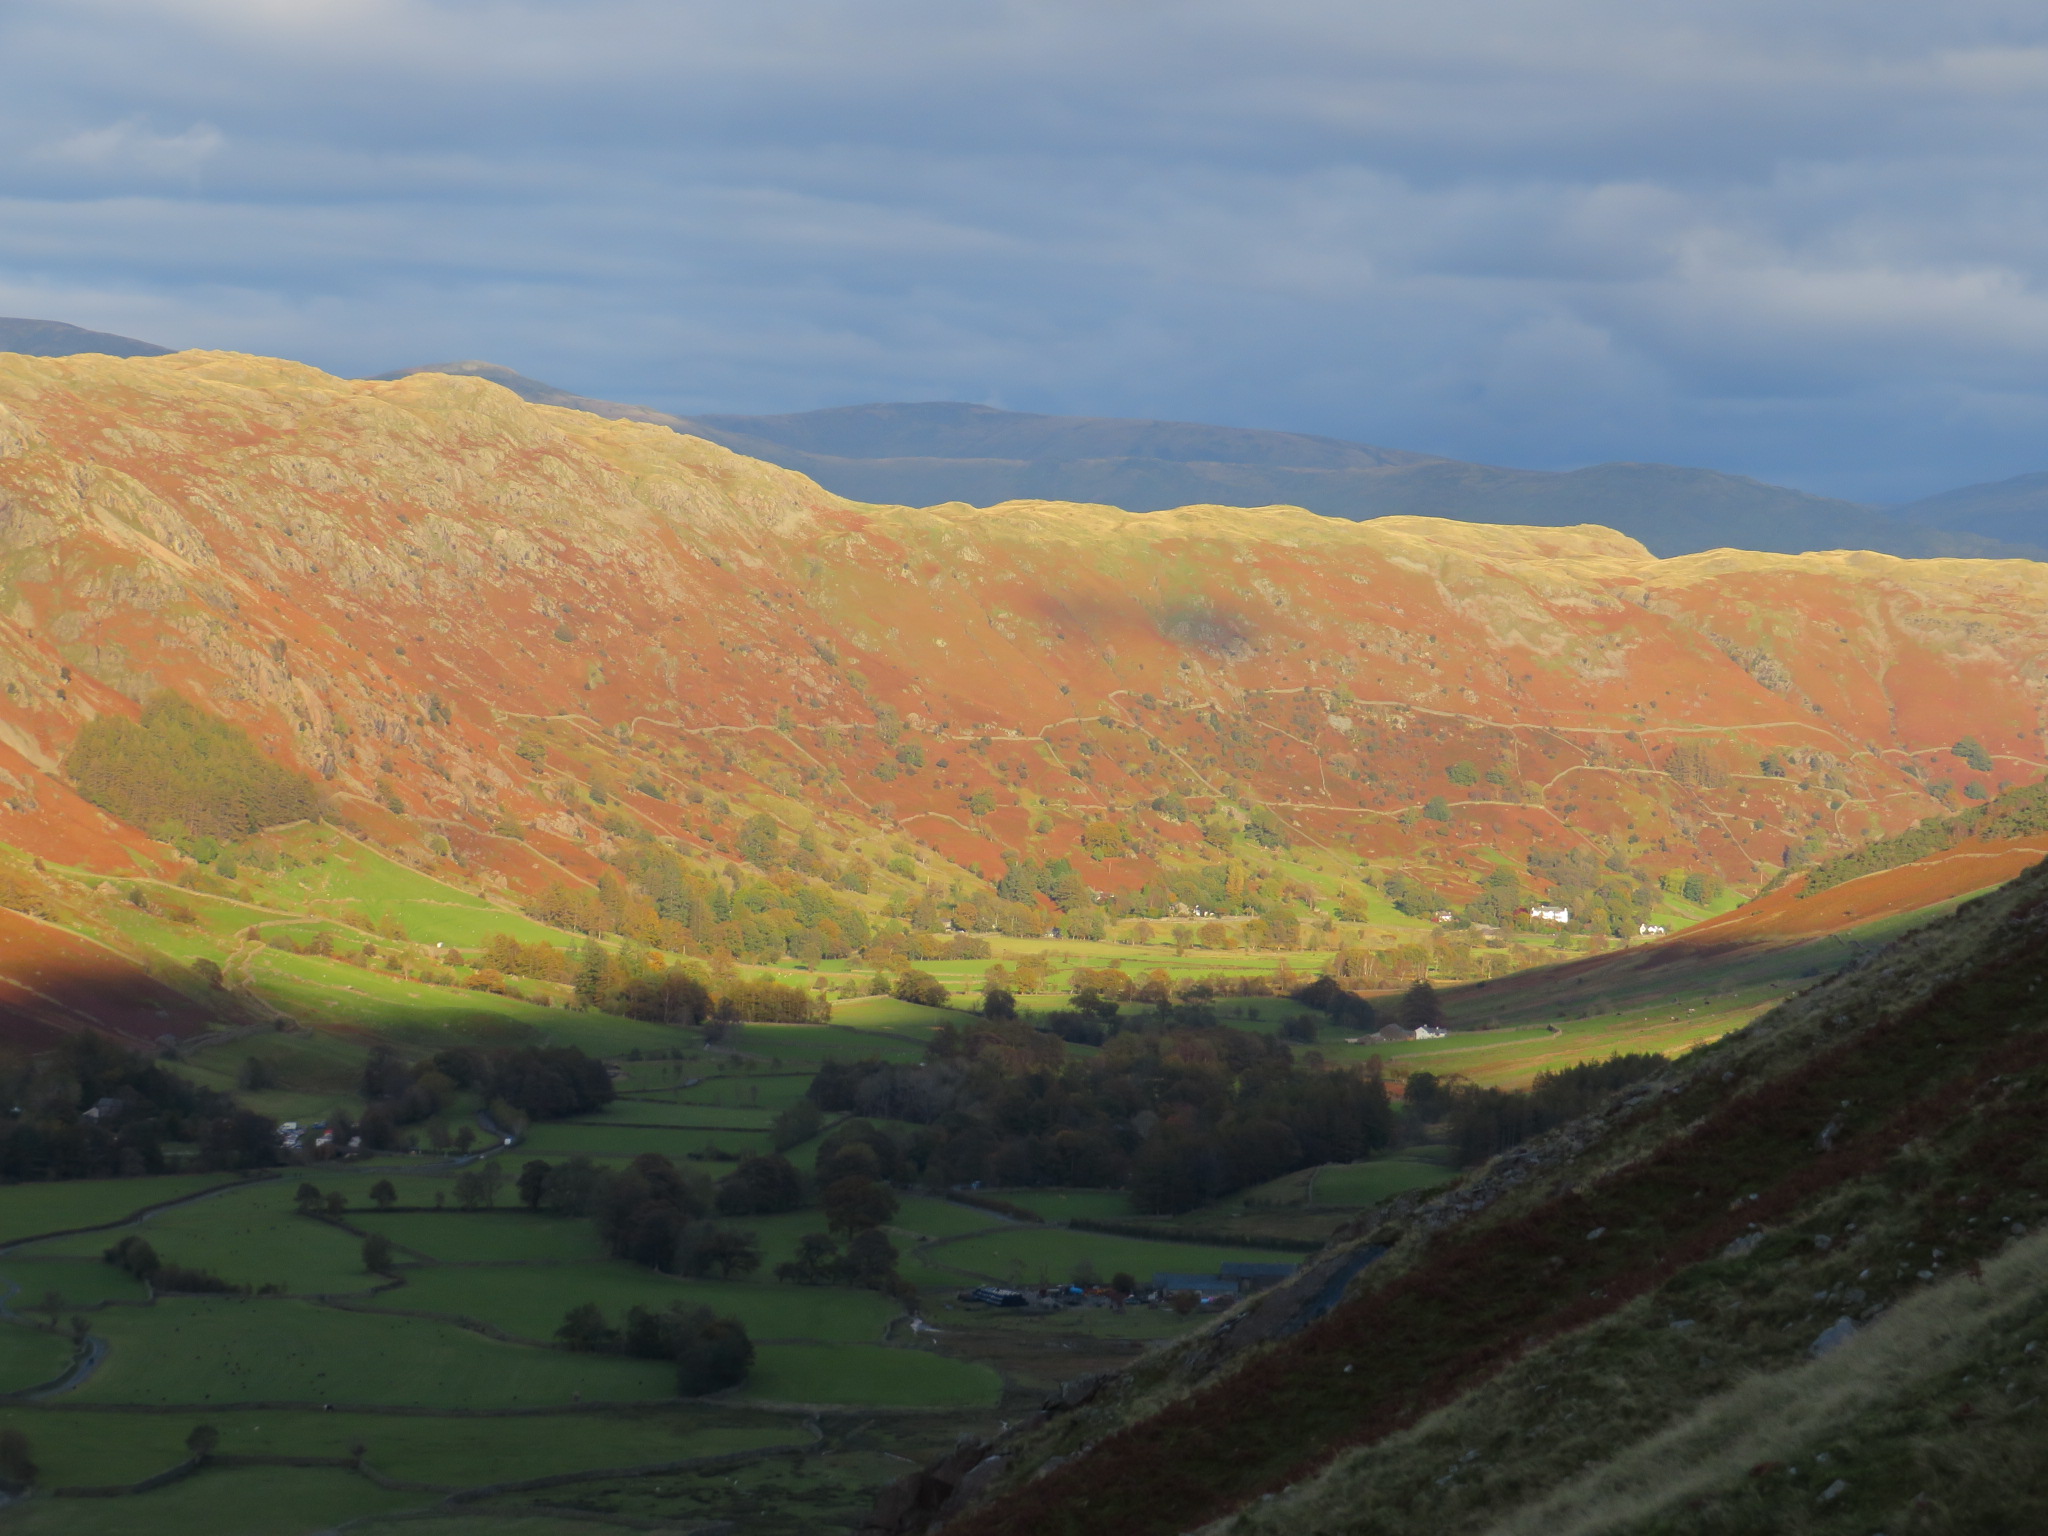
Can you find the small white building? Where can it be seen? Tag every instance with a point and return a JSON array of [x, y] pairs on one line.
[[1551, 914], [1650, 930]]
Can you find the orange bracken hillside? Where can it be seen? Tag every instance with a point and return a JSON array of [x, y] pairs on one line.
[[442, 601]]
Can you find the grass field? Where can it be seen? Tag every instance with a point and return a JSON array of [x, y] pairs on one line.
[[1368, 1183], [596, 1138], [1066, 1204], [1035, 1255], [27, 1210], [452, 1452], [200, 1352], [460, 1237], [254, 1501], [869, 1373], [79, 1282], [247, 1237], [530, 1300], [29, 1356]]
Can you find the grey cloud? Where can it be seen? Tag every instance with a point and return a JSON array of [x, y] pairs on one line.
[[1804, 241]]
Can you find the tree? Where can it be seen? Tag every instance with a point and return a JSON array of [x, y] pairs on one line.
[[759, 841], [854, 1204], [337, 1202], [203, 1441], [1438, 809], [764, 1185], [307, 1199], [533, 1183], [714, 1353], [921, 987], [472, 1193], [17, 1459], [585, 1330], [134, 1254], [998, 1003], [465, 1138], [377, 1255], [707, 1249], [1421, 1007], [871, 1259], [383, 1194], [796, 1125]]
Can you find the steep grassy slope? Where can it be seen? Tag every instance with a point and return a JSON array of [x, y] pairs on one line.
[[1637, 1323]]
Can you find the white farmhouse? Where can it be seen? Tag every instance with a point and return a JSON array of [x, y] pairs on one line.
[[1551, 914]]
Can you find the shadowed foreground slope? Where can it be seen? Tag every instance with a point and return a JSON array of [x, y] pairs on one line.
[[1874, 1135]]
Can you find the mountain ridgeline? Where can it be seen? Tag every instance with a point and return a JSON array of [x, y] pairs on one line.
[[573, 656], [924, 454]]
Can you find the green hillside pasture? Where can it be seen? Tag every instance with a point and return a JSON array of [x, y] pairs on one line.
[[1511, 1058], [315, 1073], [115, 1447], [462, 1237], [593, 1138], [531, 1300], [218, 929], [193, 1351], [344, 878], [1057, 1205], [894, 1014], [1377, 1179], [828, 1042], [930, 1217], [1035, 1255], [29, 1356], [249, 1237], [28, 1210], [870, 1375], [329, 992], [81, 1282], [244, 1501]]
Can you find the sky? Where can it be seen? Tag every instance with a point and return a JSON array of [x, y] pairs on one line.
[[1800, 239]]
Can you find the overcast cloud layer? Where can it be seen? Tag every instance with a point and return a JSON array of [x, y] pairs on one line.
[[1801, 239]]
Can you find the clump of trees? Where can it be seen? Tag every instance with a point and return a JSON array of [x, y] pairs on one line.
[[138, 1108], [537, 1082], [135, 1257], [653, 1213], [710, 1352], [177, 771], [1481, 1122], [2018, 813], [1181, 1112]]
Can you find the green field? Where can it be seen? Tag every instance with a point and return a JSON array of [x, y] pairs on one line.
[[1066, 1204], [1036, 1255], [247, 1237], [30, 1356], [27, 1210], [254, 1501], [597, 1138], [1368, 1183], [530, 1300], [79, 1282], [870, 1373], [486, 1237], [451, 1452], [198, 1352]]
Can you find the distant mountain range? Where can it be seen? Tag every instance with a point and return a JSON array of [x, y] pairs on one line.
[[925, 454], [53, 338]]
